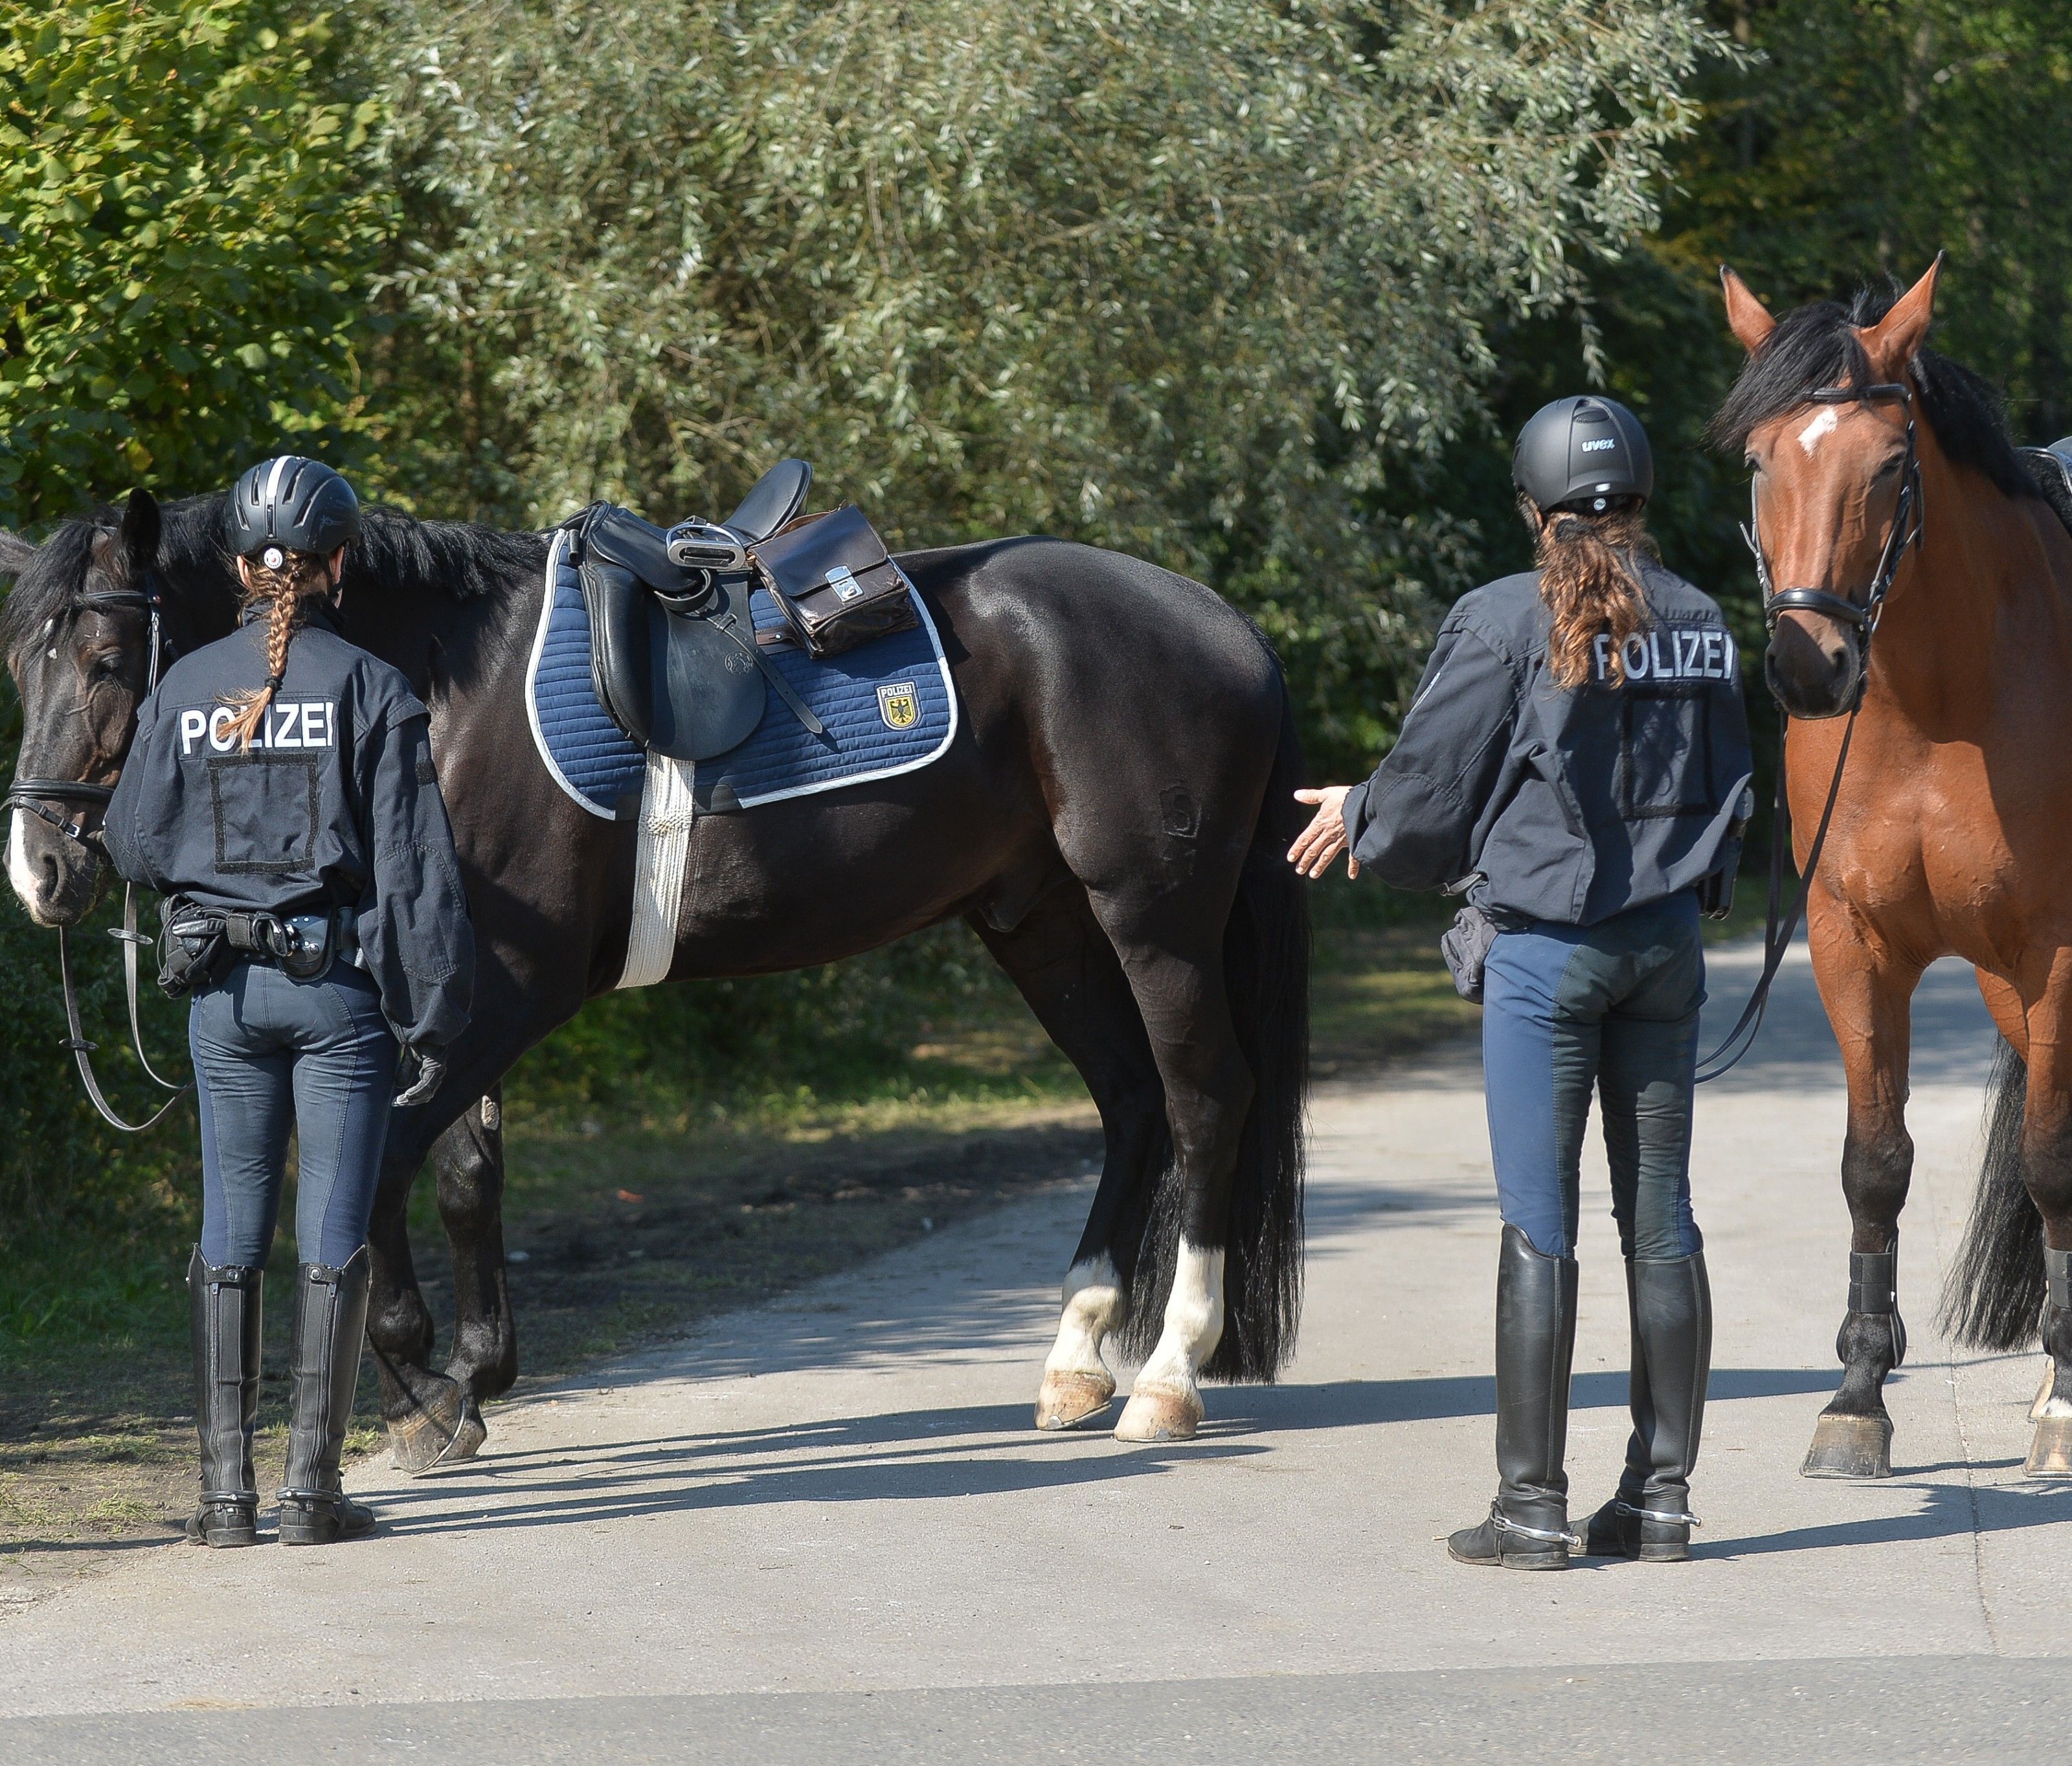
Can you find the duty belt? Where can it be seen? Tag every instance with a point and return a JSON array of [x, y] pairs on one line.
[[301, 945]]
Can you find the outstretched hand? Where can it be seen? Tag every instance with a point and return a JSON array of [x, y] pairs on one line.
[[1318, 845]]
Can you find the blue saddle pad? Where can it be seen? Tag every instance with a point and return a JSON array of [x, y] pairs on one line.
[[888, 707]]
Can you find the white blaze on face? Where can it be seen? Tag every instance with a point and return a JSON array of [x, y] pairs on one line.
[[1822, 425], [18, 871]]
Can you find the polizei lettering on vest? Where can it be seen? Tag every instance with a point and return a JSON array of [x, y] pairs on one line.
[[1672, 653], [289, 724]]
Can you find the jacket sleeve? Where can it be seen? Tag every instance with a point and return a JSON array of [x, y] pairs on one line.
[[1413, 824], [415, 937], [122, 828]]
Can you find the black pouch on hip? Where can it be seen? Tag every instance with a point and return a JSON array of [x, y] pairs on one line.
[[193, 951], [1464, 946]]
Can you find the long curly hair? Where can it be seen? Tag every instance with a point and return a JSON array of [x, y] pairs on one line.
[[1588, 580], [288, 591]]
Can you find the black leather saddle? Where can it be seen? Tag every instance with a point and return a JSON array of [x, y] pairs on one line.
[[2051, 467], [673, 655]]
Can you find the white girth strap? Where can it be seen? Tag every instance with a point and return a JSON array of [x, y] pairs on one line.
[[658, 864]]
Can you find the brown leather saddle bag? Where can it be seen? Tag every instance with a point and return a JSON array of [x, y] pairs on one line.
[[835, 583]]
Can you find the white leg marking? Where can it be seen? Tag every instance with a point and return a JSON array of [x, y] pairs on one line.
[[1194, 1323], [1092, 1309], [1166, 1404], [18, 871], [1810, 436]]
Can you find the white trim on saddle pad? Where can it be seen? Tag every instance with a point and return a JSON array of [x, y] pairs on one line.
[[547, 760], [928, 759]]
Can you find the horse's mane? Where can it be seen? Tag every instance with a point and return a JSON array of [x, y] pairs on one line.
[[1816, 346], [396, 554]]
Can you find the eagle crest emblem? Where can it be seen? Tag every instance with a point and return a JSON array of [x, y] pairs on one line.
[[900, 704]]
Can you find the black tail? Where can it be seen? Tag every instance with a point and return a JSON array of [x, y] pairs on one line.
[[1994, 1296], [1266, 967]]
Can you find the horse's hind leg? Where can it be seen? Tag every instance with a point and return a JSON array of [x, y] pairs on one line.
[[2046, 1168], [1868, 994], [1068, 972], [1174, 958]]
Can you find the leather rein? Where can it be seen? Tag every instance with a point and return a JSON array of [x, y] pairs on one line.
[[35, 796], [1861, 620]]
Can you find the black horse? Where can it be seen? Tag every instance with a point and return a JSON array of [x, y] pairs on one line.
[[1110, 821]]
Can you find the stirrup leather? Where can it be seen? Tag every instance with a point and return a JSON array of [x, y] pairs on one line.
[[1503, 1523]]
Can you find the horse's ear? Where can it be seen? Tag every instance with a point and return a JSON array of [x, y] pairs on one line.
[[1747, 317], [1893, 341], [140, 532], [15, 554]]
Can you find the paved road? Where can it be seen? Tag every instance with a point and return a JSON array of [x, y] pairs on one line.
[[824, 1529]]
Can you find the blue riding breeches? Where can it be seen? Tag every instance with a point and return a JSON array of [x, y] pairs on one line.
[[272, 1053], [1614, 1008]]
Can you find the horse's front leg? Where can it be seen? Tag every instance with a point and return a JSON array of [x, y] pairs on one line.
[[1867, 990], [469, 1161]]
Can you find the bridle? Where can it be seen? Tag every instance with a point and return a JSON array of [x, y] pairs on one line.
[[35, 796], [1860, 619]]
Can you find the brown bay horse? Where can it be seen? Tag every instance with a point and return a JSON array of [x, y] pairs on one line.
[[1919, 586]]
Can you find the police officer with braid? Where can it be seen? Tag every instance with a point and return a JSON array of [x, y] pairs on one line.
[[280, 796], [1576, 759]]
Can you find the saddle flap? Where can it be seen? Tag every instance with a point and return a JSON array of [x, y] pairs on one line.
[[709, 691], [2051, 468], [779, 495], [620, 670]]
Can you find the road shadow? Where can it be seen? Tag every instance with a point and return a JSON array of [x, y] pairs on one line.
[[1946, 1510]]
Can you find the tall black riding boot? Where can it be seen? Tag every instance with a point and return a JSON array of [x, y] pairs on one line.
[[1528, 1527], [330, 1324], [1650, 1519], [224, 1306]]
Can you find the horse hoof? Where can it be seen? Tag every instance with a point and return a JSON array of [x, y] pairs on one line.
[[1067, 1400], [2043, 1392], [2050, 1452], [1849, 1446], [444, 1431], [1160, 1415]]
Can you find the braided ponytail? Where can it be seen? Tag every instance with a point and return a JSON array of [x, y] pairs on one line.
[[1588, 580], [287, 589]]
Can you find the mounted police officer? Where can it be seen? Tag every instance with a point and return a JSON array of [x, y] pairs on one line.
[[1576, 760], [280, 796]]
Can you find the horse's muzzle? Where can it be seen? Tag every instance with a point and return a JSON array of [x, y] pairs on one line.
[[1814, 676]]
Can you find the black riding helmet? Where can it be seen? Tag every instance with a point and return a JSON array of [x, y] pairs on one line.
[[290, 504], [1583, 453]]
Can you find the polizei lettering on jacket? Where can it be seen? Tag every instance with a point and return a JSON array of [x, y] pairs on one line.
[[1673, 653], [289, 723]]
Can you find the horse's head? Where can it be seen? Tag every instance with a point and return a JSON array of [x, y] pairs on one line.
[[1824, 412], [77, 630]]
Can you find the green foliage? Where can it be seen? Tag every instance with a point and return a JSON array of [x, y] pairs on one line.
[[1201, 279], [188, 220]]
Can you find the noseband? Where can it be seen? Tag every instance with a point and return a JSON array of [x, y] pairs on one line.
[[36, 796], [1860, 618]]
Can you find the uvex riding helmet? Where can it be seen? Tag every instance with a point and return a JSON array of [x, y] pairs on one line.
[[290, 504], [1583, 453]]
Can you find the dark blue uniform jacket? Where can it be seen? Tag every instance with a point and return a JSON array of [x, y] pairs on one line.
[[1563, 805], [335, 805]]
